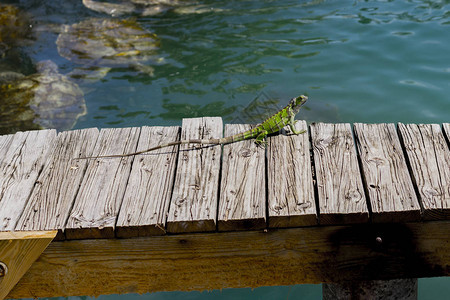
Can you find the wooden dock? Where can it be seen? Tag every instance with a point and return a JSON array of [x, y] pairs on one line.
[[361, 202]]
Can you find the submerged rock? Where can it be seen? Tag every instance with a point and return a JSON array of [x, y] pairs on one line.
[[99, 44], [146, 7], [46, 99]]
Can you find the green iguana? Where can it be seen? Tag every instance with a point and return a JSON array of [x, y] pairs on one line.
[[271, 125]]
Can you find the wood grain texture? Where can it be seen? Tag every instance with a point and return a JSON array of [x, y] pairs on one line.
[[5, 142], [21, 161], [290, 183], [239, 259], [18, 251], [101, 192], [446, 127], [57, 185], [242, 204], [429, 159], [339, 185], [146, 202], [193, 204], [390, 190]]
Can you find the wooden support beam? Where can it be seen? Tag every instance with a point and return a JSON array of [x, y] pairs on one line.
[[239, 259], [18, 251]]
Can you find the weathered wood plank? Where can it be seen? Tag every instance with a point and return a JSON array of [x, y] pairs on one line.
[[101, 192], [290, 186], [242, 204], [23, 157], [18, 251], [339, 185], [5, 142], [446, 127], [390, 190], [239, 259], [429, 159], [55, 189], [193, 204], [146, 201]]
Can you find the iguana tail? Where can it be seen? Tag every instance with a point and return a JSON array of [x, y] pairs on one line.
[[225, 140]]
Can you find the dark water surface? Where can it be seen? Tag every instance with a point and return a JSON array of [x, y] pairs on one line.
[[358, 61]]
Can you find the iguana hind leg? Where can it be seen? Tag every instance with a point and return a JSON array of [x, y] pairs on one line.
[[260, 138]]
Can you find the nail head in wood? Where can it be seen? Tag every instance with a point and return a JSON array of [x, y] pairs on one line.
[[379, 240], [3, 269]]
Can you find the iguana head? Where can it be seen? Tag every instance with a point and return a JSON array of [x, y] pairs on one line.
[[297, 102]]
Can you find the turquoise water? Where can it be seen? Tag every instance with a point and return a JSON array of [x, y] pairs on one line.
[[358, 61]]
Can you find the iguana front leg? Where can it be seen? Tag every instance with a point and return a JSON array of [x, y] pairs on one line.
[[292, 126]]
